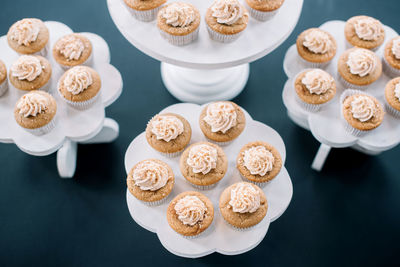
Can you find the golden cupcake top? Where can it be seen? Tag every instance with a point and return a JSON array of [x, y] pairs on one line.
[[77, 80], [70, 46], [244, 198], [318, 41], [361, 62], [317, 81], [25, 31], [363, 108], [202, 158], [227, 11], [396, 47], [367, 28], [221, 116], [150, 175], [190, 210], [179, 14], [26, 68], [32, 104], [166, 127], [258, 160]]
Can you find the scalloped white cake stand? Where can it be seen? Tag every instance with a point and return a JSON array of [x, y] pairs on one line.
[[206, 70], [326, 125], [73, 126], [220, 237]]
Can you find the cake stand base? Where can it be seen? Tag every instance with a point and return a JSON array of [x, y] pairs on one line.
[[201, 85]]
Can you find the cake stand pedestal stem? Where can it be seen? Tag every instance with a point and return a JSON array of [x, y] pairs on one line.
[[321, 157]]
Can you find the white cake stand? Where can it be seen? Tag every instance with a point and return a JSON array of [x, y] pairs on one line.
[[87, 127], [207, 70], [326, 125]]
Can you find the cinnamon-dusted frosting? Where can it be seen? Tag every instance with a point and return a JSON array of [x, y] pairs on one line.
[[227, 11], [150, 175], [179, 14], [368, 29], [363, 108], [318, 42], [77, 80], [221, 116], [25, 31], [258, 160], [190, 210], [202, 158], [71, 47], [26, 68], [397, 91], [396, 48], [32, 104], [361, 62], [317, 81], [166, 127], [244, 198]]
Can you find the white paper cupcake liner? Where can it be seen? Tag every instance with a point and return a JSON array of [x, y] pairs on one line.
[[182, 39], [307, 106], [260, 15], [83, 105], [256, 183], [312, 65], [4, 87], [223, 38], [88, 63], [220, 143], [389, 70], [392, 111], [156, 203], [170, 155], [203, 187], [44, 129], [146, 16], [348, 85]]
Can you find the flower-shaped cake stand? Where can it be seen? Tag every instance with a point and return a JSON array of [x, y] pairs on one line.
[[220, 237], [206, 70], [326, 125], [73, 126]]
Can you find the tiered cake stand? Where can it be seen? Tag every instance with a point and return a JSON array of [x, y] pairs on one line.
[[89, 126], [207, 70]]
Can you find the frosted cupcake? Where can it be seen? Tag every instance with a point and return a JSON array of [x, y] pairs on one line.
[[226, 20], [144, 10], [179, 23], [316, 48], [29, 36], [3, 78], [203, 164], [358, 68], [222, 122], [35, 112], [258, 162], [391, 57], [314, 88], [364, 32], [31, 73], [72, 50], [392, 97], [80, 87], [263, 10], [243, 205], [168, 134], [151, 181]]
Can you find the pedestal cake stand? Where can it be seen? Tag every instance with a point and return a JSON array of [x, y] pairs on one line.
[[206, 70]]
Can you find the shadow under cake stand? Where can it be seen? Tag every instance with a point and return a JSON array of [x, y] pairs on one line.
[[206, 70]]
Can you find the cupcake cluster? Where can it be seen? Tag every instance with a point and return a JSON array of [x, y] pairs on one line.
[[179, 22], [202, 165]]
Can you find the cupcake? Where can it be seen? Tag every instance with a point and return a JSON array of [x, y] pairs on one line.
[[72, 50], [144, 10], [314, 88], [258, 162], [179, 23], [358, 68], [203, 164], [3, 78], [168, 134], [263, 10], [35, 112], [29, 36], [243, 205], [364, 32], [151, 181], [226, 20], [31, 73], [361, 112], [391, 57], [392, 97], [222, 122], [190, 214], [80, 87]]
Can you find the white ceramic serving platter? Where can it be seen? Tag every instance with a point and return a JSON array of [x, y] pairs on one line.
[[220, 237], [72, 124]]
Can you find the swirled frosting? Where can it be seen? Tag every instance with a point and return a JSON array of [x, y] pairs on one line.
[[71, 47], [25, 31], [396, 48], [32, 104], [368, 29], [363, 108], [244, 198], [227, 11], [202, 158], [361, 62], [317, 81], [397, 91], [221, 116], [190, 210], [318, 42], [179, 14], [166, 127], [258, 160], [26, 68], [77, 80], [150, 175]]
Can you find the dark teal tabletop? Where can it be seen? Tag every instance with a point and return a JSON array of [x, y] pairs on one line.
[[345, 215]]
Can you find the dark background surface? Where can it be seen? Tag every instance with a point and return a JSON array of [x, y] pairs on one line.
[[346, 215]]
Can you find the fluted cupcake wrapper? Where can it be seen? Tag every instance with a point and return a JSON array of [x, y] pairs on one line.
[[171, 155], [4, 87], [44, 129], [88, 63], [220, 143], [223, 38], [203, 187], [180, 40], [392, 111], [146, 15], [389, 70], [156, 203], [256, 183], [348, 85], [312, 65], [261, 15]]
